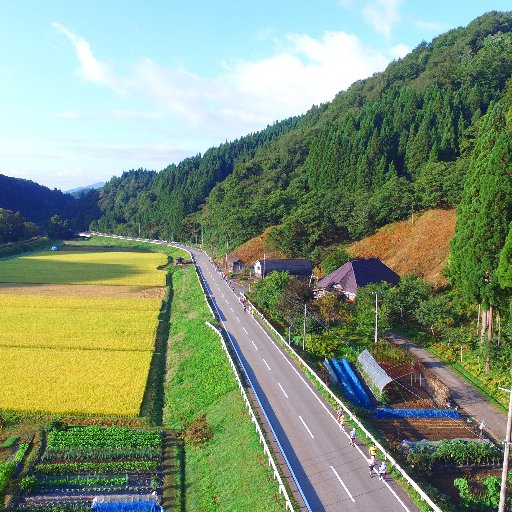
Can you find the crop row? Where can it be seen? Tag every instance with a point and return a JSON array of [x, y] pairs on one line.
[[102, 437], [97, 467], [7, 470], [81, 481]]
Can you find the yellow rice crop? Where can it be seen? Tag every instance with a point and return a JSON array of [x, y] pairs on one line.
[[73, 381], [109, 268], [78, 322]]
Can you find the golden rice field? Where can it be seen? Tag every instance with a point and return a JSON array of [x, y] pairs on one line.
[[95, 382], [78, 322], [108, 268], [83, 354]]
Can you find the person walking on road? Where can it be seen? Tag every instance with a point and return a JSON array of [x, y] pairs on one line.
[[382, 471], [340, 418], [353, 435], [371, 464]]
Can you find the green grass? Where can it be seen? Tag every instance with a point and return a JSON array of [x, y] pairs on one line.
[[228, 472]]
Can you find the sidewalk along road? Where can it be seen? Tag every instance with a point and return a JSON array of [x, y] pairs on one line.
[[463, 394], [332, 474]]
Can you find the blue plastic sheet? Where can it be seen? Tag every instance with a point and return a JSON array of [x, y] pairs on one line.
[[136, 506], [417, 413], [350, 383]]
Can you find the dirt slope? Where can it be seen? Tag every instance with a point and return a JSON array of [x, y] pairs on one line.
[[420, 247]]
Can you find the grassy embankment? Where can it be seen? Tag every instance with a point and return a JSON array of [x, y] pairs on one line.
[[228, 472]]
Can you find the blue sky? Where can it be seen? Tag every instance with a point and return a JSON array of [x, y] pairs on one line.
[[91, 88]]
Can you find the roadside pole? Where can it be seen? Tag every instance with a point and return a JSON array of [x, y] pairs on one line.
[[504, 474]]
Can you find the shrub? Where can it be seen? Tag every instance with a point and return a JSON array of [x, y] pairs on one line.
[[199, 431]]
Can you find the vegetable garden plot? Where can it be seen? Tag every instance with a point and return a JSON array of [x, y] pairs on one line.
[[126, 462]]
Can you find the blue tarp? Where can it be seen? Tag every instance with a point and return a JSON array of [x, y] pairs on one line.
[[350, 383], [136, 506], [417, 413]]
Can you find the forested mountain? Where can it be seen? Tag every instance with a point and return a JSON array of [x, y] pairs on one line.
[[396, 142], [161, 202], [37, 203]]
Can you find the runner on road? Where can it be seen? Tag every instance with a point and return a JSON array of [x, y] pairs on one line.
[[382, 471], [340, 418], [353, 437], [371, 464]]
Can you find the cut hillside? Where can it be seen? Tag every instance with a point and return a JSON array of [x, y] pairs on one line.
[[254, 249], [420, 247]]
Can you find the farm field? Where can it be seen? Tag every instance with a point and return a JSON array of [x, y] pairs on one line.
[[118, 268], [65, 350]]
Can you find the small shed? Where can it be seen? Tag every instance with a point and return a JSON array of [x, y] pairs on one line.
[[300, 268], [235, 264], [357, 273]]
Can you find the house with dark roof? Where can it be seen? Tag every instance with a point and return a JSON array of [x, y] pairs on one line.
[[355, 274], [235, 264], [300, 268]]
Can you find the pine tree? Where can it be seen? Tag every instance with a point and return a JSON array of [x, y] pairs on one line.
[[483, 219]]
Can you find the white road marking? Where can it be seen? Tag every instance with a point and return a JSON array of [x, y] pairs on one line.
[[344, 486], [254, 345], [306, 427], [266, 364], [232, 310], [284, 392], [245, 330], [237, 319]]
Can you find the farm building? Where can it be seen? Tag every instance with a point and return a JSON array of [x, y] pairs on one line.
[[355, 274], [235, 265], [300, 268]]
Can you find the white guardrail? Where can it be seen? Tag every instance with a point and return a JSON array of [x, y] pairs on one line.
[[301, 361]]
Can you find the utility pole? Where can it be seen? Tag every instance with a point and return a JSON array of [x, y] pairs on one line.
[[376, 317], [304, 337], [202, 237], [504, 474]]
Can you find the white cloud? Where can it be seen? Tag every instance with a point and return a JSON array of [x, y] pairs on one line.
[[246, 95], [124, 115], [382, 15], [91, 69]]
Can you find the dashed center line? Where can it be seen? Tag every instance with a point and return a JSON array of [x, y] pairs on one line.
[[266, 364], [237, 319], [343, 484], [245, 330], [306, 427], [232, 310], [284, 392], [254, 345]]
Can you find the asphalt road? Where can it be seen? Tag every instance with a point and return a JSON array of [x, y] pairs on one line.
[[332, 475]]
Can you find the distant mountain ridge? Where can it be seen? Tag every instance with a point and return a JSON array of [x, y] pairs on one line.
[[94, 186]]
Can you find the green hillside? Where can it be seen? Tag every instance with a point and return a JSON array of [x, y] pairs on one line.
[[396, 142]]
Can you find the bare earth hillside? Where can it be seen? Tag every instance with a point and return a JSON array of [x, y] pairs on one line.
[[420, 247]]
